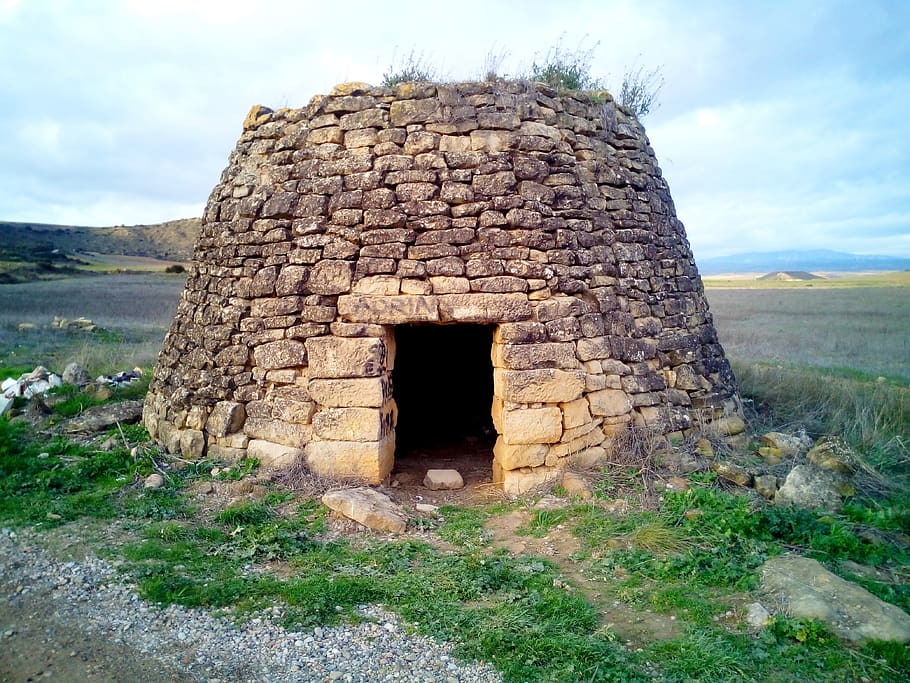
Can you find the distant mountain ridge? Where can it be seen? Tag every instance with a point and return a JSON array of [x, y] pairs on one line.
[[171, 240], [810, 261]]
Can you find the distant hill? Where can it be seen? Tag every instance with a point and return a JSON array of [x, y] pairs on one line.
[[172, 240], [823, 260], [790, 275]]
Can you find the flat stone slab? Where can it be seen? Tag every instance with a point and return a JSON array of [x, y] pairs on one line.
[[368, 507], [443, 480], [811, 591], [99, 418]]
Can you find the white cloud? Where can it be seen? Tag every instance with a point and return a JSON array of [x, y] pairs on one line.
[[781, 124]]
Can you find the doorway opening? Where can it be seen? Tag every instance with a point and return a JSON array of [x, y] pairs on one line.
[[443, 386]]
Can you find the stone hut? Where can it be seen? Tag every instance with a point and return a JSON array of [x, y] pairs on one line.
[[438, 254]]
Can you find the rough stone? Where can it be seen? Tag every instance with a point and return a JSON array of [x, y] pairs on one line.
[[766, 486], [368, 507], [99, 418], [810, 591], [75, 374], [272, 455], [153, 481], [834, 454], [811, 487], [532, 425], [732, 473], [786, 445], [443, 480], [346, 357]]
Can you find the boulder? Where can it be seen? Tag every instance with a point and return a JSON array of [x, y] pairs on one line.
[[76, 374], [810, 591], [368, 507], [834, 454], [811, 487], [786, 445]]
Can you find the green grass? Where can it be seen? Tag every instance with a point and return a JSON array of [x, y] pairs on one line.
[[133, 310]]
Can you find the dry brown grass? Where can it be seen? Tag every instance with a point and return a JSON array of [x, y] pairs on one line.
[[866, 330]]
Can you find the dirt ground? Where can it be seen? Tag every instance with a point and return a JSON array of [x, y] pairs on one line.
[[36, 644]]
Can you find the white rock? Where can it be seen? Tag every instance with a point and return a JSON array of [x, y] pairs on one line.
[[443, 480], [153, 481], [757, 616]]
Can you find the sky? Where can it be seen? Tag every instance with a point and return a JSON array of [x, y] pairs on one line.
[[783, 124]]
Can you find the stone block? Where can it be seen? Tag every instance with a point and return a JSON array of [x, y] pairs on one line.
[[364, 460], [226, 418], [276, 431], [192, 444], [353, 424], [411, 286], [330, 277], [392, 310], [538, 386], [594, 347], [443, 284], [378, 285], [532, 425], [493, 141], [535, 356], [513, 456], [404, 112], [273, 455], [593, 438], [575, 413], [525, 480], [484, 308], [609, 402], [499, 284], [338, 357], [443, 480], [292, 280], [285, 353], [365, 392], [292, 410]]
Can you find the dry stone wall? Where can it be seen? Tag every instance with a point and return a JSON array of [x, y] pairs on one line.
[[507, 204]]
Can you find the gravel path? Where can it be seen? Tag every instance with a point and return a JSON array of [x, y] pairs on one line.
[[82, 619]]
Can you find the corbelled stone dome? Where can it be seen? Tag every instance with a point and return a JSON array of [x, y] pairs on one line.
[[532, 225]]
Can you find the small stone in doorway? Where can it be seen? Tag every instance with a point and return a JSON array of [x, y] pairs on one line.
[[443, 480]]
